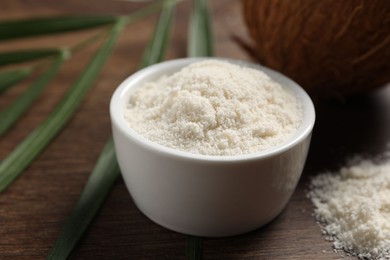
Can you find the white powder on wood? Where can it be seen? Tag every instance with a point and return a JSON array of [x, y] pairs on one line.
[[213, 107], [353, 207]]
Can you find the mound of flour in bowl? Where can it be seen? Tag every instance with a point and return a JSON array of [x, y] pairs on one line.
[[213, 107]]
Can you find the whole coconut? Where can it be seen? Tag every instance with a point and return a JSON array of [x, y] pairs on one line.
[[330, 47]]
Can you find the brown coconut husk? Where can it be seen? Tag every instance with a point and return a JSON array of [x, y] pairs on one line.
[[330, 47]]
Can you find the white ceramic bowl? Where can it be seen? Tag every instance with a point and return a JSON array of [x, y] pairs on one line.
[[201, 195]]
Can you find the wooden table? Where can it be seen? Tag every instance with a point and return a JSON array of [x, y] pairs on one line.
[[33, 209]]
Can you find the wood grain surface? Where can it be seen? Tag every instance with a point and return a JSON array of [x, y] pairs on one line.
[[33, 209]]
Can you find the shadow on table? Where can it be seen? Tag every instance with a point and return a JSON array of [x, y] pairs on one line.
[[358, 125]]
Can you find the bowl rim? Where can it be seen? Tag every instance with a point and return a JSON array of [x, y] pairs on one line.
[[118, 121]]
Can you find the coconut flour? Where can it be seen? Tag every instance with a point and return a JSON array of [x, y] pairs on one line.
[[353, 207], [214, 107]]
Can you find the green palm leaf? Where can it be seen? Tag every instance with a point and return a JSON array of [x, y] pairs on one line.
[[194, 248], [32, 145], [95, 191], [200, 41], [51, 25], [156, 48], [106, 170], [10, 114], [9, 78], [26, 55]]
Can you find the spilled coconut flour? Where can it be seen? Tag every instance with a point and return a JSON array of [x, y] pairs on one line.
[[214, 107], [353, 207]]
